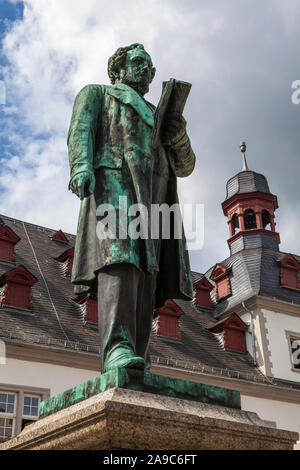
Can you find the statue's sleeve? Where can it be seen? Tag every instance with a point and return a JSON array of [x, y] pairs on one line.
[[182, 157], [83, 129]]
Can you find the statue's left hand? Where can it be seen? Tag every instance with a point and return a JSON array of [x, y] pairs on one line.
[[83, 184], [174, 128]]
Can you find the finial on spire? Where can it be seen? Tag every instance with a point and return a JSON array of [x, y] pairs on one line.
[[243, 148]]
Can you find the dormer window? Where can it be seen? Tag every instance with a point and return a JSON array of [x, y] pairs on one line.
[[66, 260], [8, 240], [220, 276], [166, 320], [289, 273], [60, 237], [89, 308], [230, 333], [15, 288], [202, 290]]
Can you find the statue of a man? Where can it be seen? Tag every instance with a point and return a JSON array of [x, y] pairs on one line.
[[111, 156]]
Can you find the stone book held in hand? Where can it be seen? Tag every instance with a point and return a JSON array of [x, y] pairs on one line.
[[173, 99]]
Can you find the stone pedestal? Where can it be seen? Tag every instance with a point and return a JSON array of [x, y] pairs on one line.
[[122, 418]]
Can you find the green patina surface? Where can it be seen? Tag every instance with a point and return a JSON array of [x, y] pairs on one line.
[[143, 381], [111, 157]]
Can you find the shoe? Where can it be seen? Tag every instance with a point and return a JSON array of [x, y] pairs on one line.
[[124, 359]]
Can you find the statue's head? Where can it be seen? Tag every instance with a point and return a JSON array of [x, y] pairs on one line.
[[132, 65]]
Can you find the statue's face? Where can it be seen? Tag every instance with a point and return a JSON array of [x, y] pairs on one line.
[[138, 71]]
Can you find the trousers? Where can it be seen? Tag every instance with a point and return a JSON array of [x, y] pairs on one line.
[[125, 310]]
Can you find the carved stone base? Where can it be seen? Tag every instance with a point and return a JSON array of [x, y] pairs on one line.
[[128, 419]]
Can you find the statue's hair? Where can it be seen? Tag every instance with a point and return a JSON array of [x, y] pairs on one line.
[[117, 61]]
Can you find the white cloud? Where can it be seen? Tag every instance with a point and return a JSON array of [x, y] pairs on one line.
[[57, 48], [236, 59]]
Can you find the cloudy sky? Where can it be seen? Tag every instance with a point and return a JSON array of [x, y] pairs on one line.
[[241, 56]]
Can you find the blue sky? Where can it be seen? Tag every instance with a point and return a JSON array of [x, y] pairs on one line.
[[241, 61], [9, 13]]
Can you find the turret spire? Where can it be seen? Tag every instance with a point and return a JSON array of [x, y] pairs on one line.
[[243, 148], [250, 208]]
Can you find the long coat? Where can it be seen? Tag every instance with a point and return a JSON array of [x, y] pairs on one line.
[[110, 135]]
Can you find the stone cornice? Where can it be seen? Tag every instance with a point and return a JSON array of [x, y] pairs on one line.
[[257, 390], [260, 301], [72, 359]]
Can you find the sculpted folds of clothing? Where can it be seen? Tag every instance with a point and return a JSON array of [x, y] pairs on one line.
[[110, 135]]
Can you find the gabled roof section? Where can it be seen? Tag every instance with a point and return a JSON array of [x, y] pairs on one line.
[[254, 272], [19, 275], [270, 284], [196, 276], [7, 234], [65, 255], [203, 284], [56, 320], [219, 272], [289, 273], [290, 262], [230, 333], [170, 308], [198, 350], [234, 322], [59, 236]]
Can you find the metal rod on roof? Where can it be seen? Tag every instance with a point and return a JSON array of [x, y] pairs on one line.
[[243, 148]]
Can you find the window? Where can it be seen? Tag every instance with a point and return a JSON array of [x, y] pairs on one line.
[[168, 316], [30, 409], [19, 406], [235, 223], [6, 428], [220, 276], [31, 406], [265, 216], [289, 273], [8, 240], [250, 219], [66, 260], [16, 288], [7, 415], [7, 403], [89, 308]]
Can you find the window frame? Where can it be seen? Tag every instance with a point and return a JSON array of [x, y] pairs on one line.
[[31, 417], [21, 391], [6, 415], [292, 335]]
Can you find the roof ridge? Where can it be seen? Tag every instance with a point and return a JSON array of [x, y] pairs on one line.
[[13, 219]]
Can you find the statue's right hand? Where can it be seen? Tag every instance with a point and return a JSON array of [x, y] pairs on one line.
[[83, 184]]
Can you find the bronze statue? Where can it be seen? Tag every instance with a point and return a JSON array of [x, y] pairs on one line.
[[121, 146]]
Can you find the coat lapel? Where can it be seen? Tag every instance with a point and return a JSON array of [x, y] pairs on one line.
[[127, 95]]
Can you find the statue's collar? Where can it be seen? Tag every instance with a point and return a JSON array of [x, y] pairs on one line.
[[128, 95]]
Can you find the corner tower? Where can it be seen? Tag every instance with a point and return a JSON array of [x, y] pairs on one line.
[[250, 208]]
